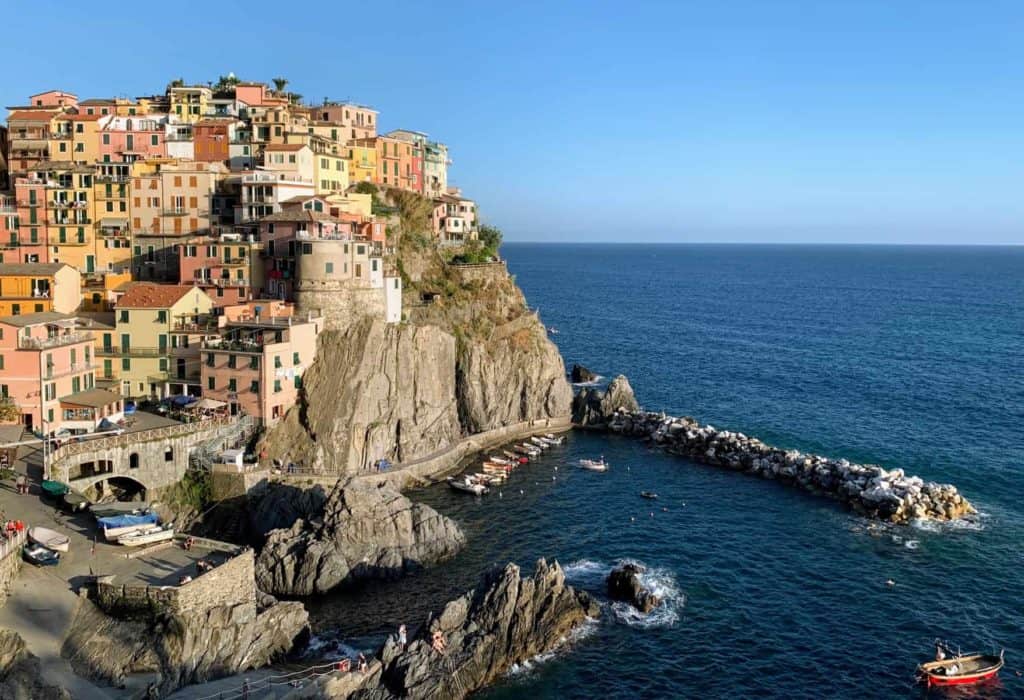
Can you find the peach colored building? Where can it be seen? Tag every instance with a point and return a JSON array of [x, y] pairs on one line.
[[127, 139], [256, 365], [53, 98], [227, 267], [353, 121], [47, 370]]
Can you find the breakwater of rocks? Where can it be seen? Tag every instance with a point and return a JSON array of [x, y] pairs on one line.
[[885, 494]]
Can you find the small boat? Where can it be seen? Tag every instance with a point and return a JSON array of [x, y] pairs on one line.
[[550, 437], [51, 539], [517, 456], [146, 535], [960, 669], [529, 449], [467, 485], [39, 555], [110, 510], [116, 526], [54, 489], [594, 465], [502, 460], [552, 330], [498, 466], [489, 479], [75, 502], [649, 494], [542, 444]]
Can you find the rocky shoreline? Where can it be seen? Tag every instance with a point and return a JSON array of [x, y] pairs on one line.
[[886, 494]]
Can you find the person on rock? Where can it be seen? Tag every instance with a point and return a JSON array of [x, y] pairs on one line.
[[362, 663], [403, 640], [437, 642]]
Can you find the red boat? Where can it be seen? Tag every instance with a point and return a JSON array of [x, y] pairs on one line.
[[959, 669]]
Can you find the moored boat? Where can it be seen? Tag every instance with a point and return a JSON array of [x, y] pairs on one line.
[[501, 460], [502, 466], [110, 510], [490, 479], [649, 494], [594, 465], [39, 555], [51, 539], [557, 440], [467, 485], [531, 450], [539, 442], [520, 459], [960, 669], [146, 535]]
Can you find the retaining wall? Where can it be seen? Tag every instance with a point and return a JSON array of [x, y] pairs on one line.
[[10, 563]]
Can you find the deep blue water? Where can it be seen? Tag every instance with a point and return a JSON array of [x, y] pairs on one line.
[[908, 357]]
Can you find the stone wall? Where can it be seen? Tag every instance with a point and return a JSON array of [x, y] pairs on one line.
[[234, 484], [10, 563], [482, 272], [232, 583], [340, 303]]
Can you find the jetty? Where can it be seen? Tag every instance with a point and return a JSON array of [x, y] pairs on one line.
[[885, 494]]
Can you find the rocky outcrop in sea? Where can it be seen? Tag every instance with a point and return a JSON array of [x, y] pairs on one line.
[[624, 584], [505, 620], [885, 494], [581, 375], [364, 531]]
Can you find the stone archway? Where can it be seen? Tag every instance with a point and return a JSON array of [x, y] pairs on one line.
[[122, 488]]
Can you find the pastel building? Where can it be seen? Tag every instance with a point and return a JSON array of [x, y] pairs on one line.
[[47, 370], [227, 267], [212, 138], [435, 169], [154, 345], [189, 103], [362, 160], [29, 139], [127, 139], [256, 364], [411, 158], [354, 121], [263, 192], [38, 287]]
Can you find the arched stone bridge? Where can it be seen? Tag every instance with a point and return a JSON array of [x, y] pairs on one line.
[[154, 458]]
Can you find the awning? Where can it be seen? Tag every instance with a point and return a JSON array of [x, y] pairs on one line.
[[208, 403], [93, 398], [113, 223]]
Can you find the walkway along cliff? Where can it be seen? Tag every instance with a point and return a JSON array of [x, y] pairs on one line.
[[887, 495]]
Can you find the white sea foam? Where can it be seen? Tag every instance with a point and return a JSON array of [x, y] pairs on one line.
[[582, 632], [974, 524], [911, 544], [328, 645], [593, 382], [586, 572], [661, 583]]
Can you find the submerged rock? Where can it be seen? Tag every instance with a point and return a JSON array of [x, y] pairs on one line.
[[364, 532], [581, 375], [624, 584], [593, 408]]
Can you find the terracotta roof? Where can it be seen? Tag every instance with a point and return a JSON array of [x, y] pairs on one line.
[[285, 147], [23, 320], [31, 115], [94, 398], [153, 296], [86, 117]]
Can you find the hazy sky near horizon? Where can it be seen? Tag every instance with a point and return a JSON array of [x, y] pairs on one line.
[[746, 121]]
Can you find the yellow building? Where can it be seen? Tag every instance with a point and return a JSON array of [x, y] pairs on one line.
[[27, 288], [352, 203], [70, 213], [146, 353], [330, 172], [100, 292], [189, 104], [78, 138], [112, 245], [362, 160]]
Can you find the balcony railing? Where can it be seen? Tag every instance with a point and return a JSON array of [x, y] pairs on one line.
[[54, 341], [274, 177], [176, 211], [73, 369], [69, 204], [116, 179], [112, 351], [222, 282]]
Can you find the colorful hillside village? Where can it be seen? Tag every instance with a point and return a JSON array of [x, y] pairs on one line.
[[194, 243]]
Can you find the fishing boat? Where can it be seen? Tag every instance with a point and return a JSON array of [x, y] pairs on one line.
[[51, 539], [54, 489], [649, 494], [116, 526], [467, 485], [75, 502], [111, 510], [960, 669], [39, 555], [147, 535], [594, 465]]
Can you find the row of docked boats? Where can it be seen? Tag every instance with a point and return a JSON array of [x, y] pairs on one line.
[[131, 524], [496, 468]]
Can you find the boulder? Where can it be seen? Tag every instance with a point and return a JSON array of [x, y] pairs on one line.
[[624, 584], [592, 408], [581, 375], [20, 672], [364, 531]]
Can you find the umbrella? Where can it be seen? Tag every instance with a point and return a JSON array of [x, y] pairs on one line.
[[209, 403]]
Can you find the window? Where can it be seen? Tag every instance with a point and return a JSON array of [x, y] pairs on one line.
[[161, 316], [126, 364], [307, 248], [329, 268], [254, 387], [211, 383], [295, 358], [154, 140], [298, 382], [277, 386], [163, 364], [209, 359], [169, 454], [123, 317], [232, 361], [254, 362], [232, 385], [106, 139], [277, 362]]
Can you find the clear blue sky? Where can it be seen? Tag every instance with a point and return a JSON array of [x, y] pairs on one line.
[[856, 121]]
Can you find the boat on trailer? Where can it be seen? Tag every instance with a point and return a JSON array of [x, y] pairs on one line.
[[594, 465], [960, 669], [147, 535], [51, 539]]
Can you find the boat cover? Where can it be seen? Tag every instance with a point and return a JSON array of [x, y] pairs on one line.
[[115, 521]]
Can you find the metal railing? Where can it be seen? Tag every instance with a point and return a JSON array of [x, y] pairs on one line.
[[113, 351], [129, 439], [55, 341]]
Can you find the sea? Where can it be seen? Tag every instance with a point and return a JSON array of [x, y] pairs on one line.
[[909, 357]]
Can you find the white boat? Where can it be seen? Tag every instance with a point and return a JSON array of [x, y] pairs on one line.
[[542, 444], [529, 449], [51, 539], [113, 534], [489, 479], [594, 465], [146, 535], [553, 439], [467, 485], [501, 460]]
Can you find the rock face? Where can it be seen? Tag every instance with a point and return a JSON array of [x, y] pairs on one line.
[[624, 584], [182, 649], [364, 532], [580, 375], [869, 489], [504, 621], [20, 675], [592, 408]]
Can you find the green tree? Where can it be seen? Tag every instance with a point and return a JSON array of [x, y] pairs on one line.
[[295, 98], [490, 237], [226, 81], [365, 187], [280, 84], [177, 82]]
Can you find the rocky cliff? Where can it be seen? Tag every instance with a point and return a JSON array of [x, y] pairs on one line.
[[361, 531], [470, 357], [505, 620], [182, 649], [20, 675]]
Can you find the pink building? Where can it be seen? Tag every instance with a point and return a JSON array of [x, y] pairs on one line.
[[47, 371], [127, 139], [256, 365], [53, 98], [228, 268]]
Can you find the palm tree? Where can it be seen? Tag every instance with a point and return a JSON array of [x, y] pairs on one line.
[[280, 84], [294, 97], [177, 82]]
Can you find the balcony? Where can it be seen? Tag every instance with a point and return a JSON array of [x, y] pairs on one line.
[[177, 211], [178, 137], [274, 177], [111, 351], [115, 179], [69, 204], [77, 368], [61, 135], [54, 341]]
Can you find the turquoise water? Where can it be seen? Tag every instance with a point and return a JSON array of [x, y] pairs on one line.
[[907, 357]]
